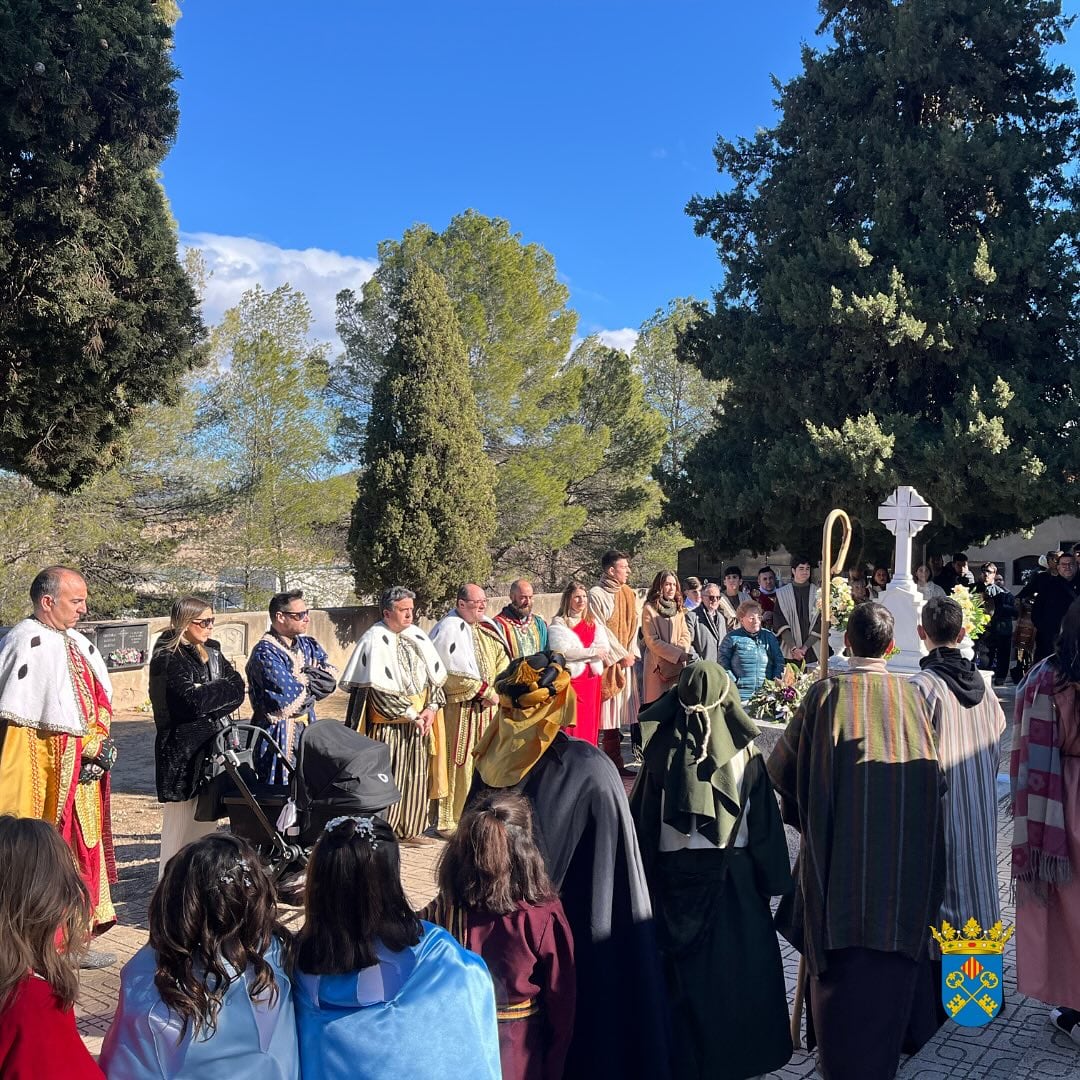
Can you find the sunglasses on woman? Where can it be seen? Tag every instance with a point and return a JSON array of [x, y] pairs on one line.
[[204, 623]]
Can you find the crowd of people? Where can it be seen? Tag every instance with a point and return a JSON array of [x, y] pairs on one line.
[[560, 902]]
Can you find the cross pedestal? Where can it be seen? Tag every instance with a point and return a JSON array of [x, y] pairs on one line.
[[904, 513]]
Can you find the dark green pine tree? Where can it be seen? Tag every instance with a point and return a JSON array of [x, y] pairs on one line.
[[96, 314], [900, 294], [425, 508]]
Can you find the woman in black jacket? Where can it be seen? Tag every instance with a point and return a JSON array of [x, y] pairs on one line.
[[191, 686]]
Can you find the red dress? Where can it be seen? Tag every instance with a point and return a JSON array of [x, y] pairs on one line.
[[38, 1038], [587, 688]]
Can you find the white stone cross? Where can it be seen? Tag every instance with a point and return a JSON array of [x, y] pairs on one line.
[[904, 513]]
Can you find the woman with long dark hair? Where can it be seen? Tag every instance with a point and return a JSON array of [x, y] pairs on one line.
[[381, 995], [44, 930], [1044, 771], [666, 635], [191, 687], [583, 641], [495, 896], [208, 996]]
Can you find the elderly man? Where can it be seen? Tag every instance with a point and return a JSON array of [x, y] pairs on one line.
[[55, 715], [707, 624], [614, 603], [523, 631], [857, 774], [396, 681], [796, 620], [287, 673], [473, 652]]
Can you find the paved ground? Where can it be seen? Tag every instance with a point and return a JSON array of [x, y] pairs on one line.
[[1019, 1043]]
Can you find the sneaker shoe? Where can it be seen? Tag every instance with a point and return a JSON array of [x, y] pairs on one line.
[[96, 959], [1067, 1021]]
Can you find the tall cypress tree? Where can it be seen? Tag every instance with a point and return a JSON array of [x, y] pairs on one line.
[[425, 507], [900, 298], [96, 314]]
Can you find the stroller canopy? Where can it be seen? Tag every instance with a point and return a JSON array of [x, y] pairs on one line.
[[338, 768]]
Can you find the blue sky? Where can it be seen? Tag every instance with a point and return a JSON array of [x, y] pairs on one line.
[[310, 132]]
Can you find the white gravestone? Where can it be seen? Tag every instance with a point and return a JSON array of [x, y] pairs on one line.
[[904, 513]]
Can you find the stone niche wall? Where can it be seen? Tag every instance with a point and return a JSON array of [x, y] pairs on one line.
[[336, 629]]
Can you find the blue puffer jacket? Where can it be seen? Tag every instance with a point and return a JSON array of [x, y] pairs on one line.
[[750, 659]]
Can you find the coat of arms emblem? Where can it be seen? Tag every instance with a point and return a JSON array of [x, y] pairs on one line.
[[971, 971]]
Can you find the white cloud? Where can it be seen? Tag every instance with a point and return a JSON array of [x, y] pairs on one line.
[[624, 339], [238, 263]]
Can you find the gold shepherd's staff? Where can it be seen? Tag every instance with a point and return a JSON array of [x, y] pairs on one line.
[[829, 567]]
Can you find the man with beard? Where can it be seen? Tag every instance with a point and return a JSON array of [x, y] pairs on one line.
[[524, 631]]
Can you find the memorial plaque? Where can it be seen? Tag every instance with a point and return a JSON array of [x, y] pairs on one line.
[[232, 637], [124, 646]]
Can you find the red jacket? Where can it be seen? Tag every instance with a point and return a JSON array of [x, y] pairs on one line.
[[39, 1040]]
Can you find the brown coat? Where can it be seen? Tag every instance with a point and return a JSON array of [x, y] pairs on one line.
[[667, 641]]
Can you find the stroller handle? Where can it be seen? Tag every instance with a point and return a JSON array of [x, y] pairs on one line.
[[227, 728]]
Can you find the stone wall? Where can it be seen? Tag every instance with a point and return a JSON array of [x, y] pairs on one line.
[[336, 629]]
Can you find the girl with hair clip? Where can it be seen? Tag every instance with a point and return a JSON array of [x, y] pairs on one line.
[[496, 898], [192, 686], [381, 995], [44, 928], [208, 998]]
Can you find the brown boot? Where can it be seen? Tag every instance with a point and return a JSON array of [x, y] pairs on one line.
[[611, 743]]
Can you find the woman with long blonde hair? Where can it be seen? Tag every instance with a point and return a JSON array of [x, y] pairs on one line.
[[192, 687], [44, 928]]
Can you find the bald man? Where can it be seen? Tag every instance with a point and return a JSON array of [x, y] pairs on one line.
[[55, 750], [522, 629], [473, 650]]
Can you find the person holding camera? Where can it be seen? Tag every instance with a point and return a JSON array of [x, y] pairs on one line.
[[192, 688], [288, 672]]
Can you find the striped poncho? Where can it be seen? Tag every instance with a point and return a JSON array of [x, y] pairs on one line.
[[858, 776]]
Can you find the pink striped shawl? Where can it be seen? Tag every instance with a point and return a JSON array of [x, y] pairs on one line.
[[1039, 849]]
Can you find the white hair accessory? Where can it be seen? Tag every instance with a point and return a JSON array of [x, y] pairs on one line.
[[240, 869], [365, 827]]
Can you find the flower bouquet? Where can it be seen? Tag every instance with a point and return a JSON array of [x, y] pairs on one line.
[[841, 603], [125, 657], [777, 699], [976, 617]]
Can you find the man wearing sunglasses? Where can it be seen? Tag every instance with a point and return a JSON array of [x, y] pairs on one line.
[[287, 673]]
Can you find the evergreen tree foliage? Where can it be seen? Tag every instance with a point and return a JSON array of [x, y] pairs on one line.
[[899, 304], [517, 330], [269, 430], [96, 315], [674, 388], [425, 508], [602, 451]]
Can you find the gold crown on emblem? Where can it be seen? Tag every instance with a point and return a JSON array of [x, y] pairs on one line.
[[972, 940]]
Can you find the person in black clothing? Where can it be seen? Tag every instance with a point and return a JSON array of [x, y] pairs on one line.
[[1052, 594], [995, 642], [191, 686], [956, 573]]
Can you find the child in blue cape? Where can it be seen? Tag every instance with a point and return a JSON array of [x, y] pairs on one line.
[[381, 995], [208, 998]]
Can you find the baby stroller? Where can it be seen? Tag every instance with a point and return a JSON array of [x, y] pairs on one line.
[[337, 772]]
